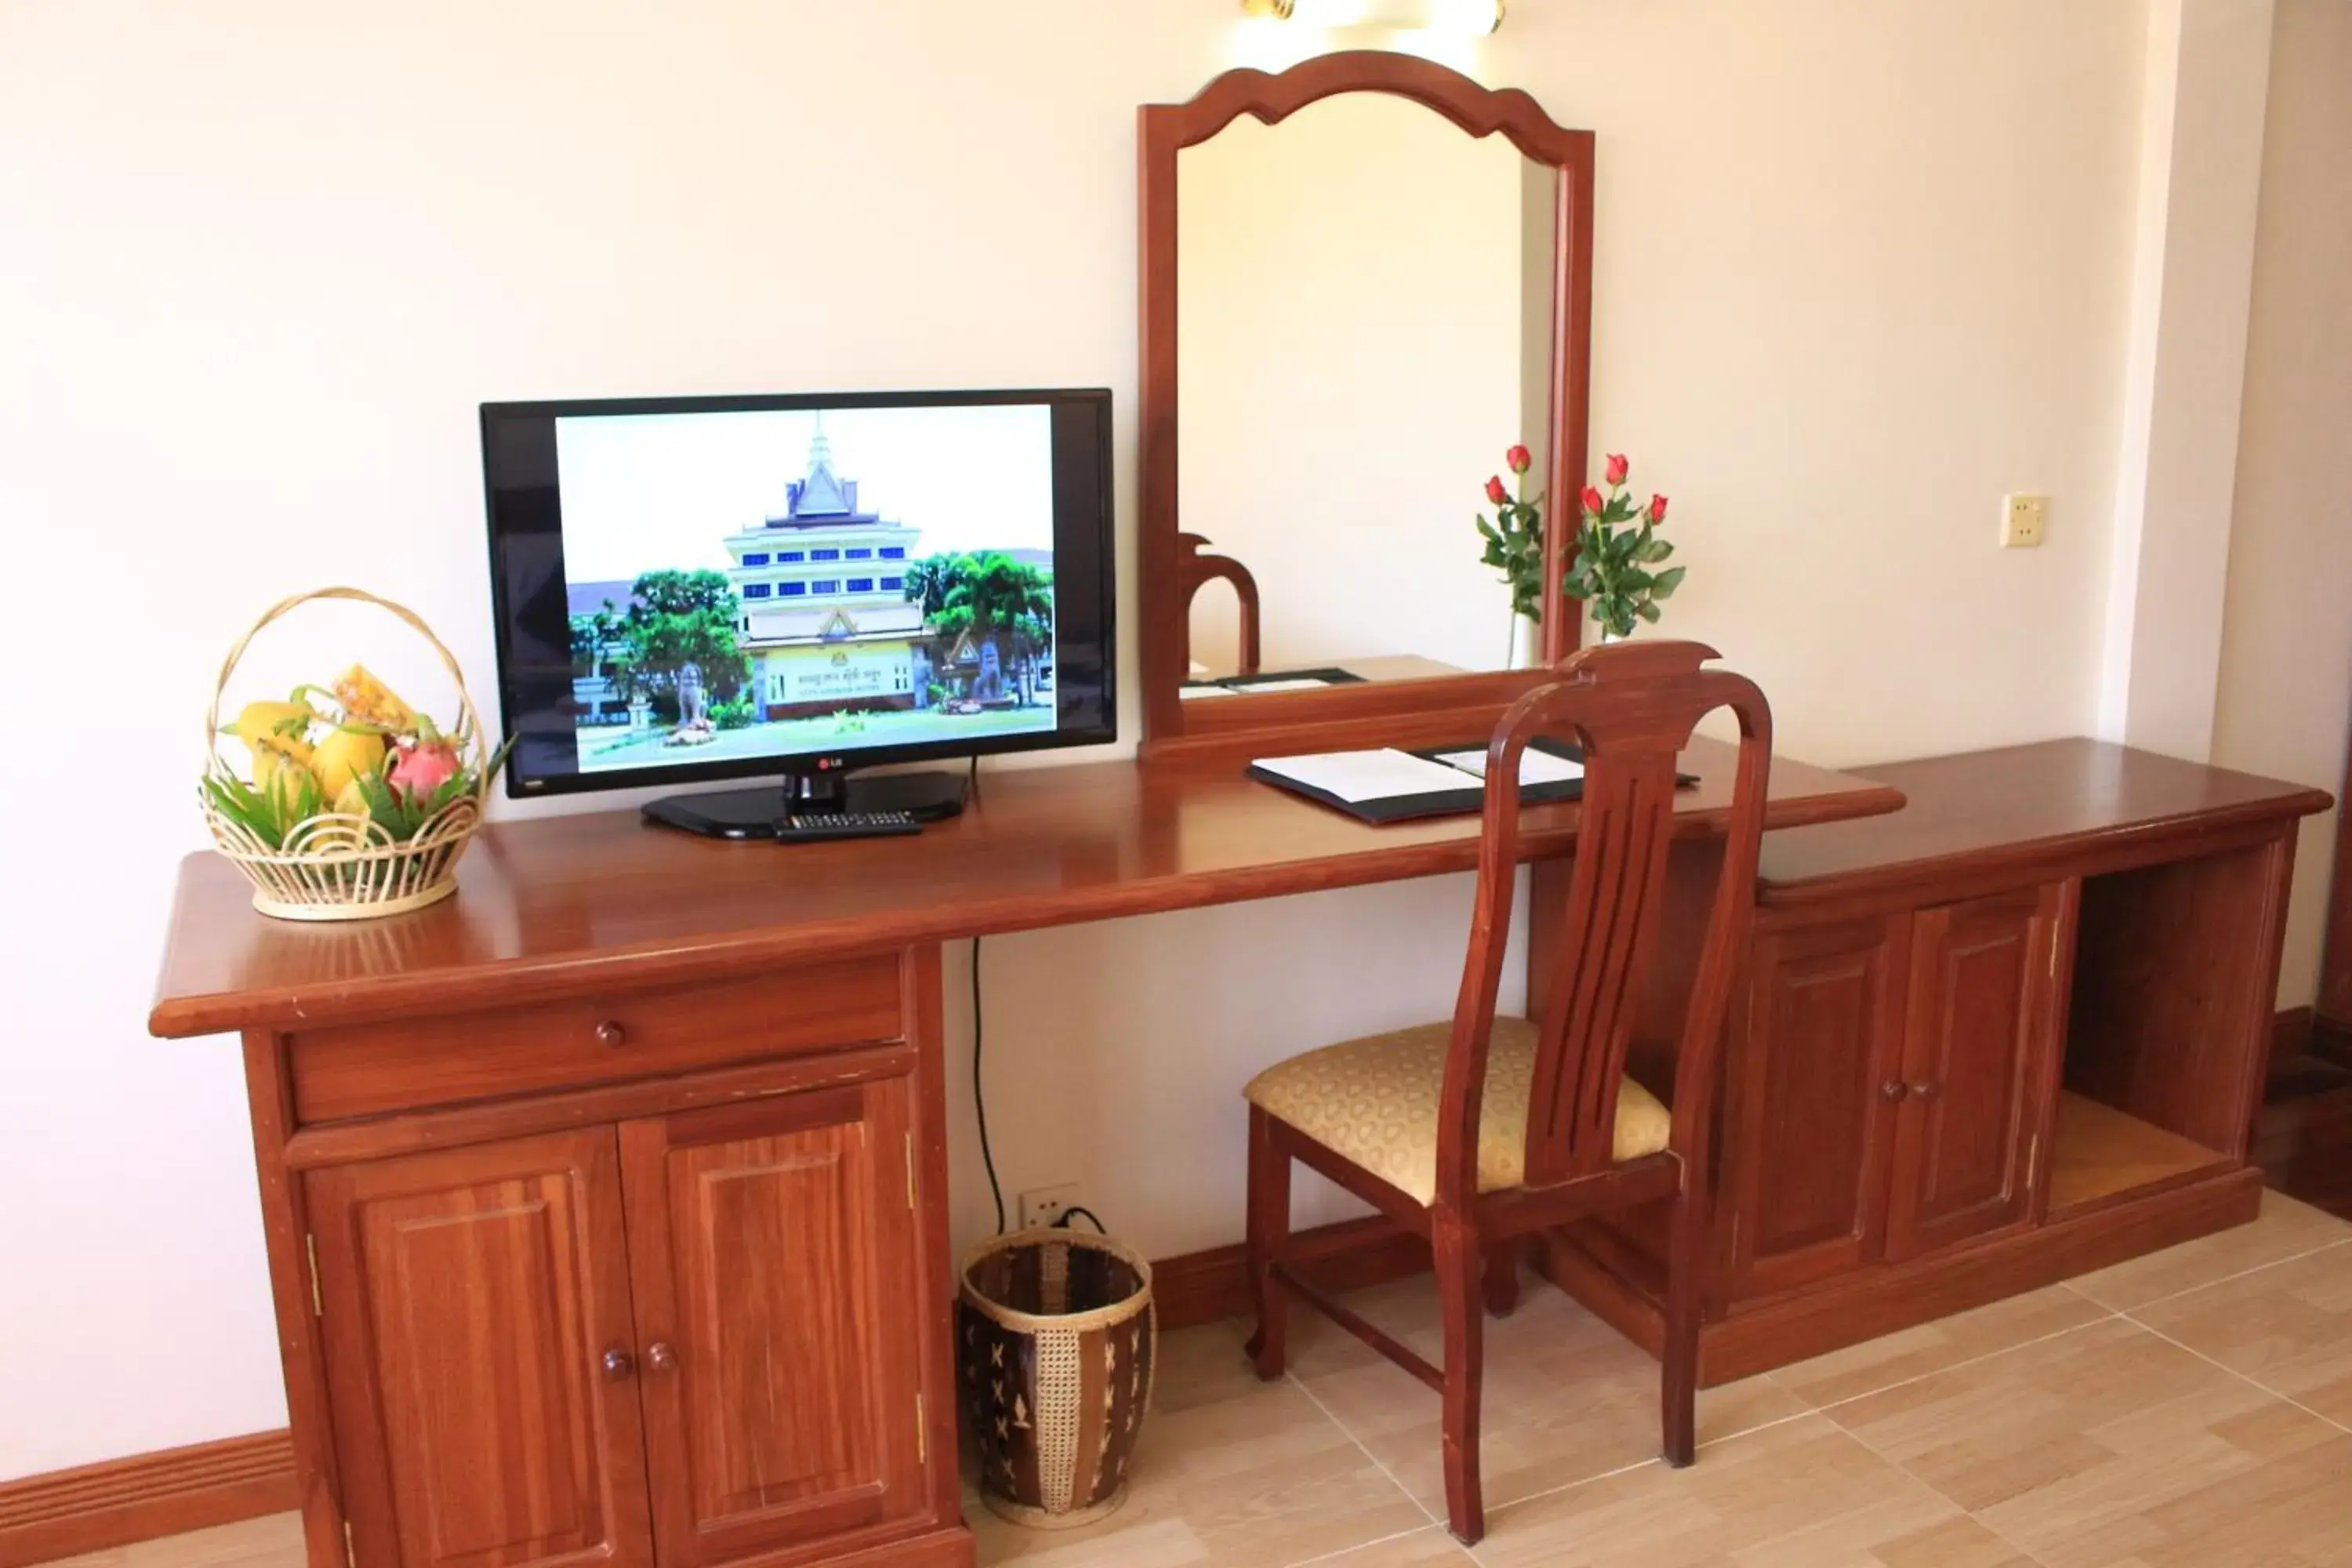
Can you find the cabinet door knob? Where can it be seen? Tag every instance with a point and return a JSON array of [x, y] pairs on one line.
[[619, 1363], [1892, 1091], [610, 1032], [661, 1356], [1923, 1091]]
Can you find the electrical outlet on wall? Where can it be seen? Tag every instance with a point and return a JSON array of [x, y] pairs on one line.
[[1042, 1208], [2021, 521]]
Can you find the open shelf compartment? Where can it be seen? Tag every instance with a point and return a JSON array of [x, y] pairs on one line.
[[2166, 986]]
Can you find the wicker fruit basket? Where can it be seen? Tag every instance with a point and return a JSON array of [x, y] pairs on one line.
[[343, 863], [1058, 1341]]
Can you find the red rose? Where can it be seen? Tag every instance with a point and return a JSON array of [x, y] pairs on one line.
[[1518, 460], [1618, 468], [1657, 509], [1495, 491], [1593, 500]]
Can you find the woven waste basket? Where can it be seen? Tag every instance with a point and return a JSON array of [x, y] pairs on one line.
[[1058, 1343]]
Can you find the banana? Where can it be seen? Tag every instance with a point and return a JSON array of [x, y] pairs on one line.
[[280, 763], [281, 726]]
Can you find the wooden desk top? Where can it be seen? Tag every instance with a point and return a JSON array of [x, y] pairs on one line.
[[2020, 809], [602, 902]]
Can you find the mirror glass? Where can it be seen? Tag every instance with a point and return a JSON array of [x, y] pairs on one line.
[[1364, 302]]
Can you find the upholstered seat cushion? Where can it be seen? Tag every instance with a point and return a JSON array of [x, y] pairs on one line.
[[1374, 1102]]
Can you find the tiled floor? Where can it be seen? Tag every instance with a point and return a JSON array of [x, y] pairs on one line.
[[2193, 1409]]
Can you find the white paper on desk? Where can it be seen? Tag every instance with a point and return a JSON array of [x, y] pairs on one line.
[[1282, 683], [1535, 767], [1189, 692], [1358, 776]]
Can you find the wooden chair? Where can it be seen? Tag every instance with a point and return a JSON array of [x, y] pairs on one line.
[[1478, 1132], [1196, 567]]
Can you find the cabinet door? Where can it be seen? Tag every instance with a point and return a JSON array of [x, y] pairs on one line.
[[775, 1247], [1808, 1129], [1976, 1068], [474, 1304]]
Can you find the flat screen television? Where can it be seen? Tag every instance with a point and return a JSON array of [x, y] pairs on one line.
[[691, 589]]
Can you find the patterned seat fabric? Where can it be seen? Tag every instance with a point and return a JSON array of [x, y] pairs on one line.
[[1374, 1102]]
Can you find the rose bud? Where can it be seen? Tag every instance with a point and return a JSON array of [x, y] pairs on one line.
[[1593, 500], [1618, 468], [1495, 491], [1657, 509], [1519, 460]]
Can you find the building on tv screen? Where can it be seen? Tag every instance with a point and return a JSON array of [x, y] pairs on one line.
[[823, 619]]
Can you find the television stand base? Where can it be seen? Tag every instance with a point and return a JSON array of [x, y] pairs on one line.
[[930, 796]]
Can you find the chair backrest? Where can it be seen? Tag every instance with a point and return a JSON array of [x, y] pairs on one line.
[[1632, 708], [1195, 566]]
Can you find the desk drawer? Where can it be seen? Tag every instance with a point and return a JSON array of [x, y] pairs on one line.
[[371, 1068]]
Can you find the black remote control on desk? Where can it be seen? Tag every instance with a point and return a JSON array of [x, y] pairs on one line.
[[845, 824]]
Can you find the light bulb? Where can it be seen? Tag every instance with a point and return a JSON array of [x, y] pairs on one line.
[[1458, 16]]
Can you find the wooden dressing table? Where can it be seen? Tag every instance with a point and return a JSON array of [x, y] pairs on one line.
[[564, 1180], [515, 1150]]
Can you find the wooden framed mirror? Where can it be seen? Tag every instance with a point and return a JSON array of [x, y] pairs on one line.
[[1363, 279]]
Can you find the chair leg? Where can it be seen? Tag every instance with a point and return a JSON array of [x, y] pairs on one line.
[[1460, 1269], [1268, 1228], [1503, 1278], [1678, 1368]]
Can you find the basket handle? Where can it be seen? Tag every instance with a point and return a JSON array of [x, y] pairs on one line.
[[469, 721]]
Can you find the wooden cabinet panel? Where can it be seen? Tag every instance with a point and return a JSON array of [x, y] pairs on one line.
[[365, 1070], [469, 1300], [774, 1244], [1807, 1134], [1976, 1068]]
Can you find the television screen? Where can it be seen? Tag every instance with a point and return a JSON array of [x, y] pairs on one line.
[[723, 587]]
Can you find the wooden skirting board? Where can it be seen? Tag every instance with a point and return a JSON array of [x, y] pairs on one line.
[[1202, 1286], [67, 1512]]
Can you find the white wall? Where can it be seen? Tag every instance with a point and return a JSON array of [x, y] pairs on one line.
[[1349, 340], [2286, 689], [2201, 176], [1861, 268]]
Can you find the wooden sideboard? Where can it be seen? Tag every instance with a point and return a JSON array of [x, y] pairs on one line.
[[2010, 1033], [605, 1202]]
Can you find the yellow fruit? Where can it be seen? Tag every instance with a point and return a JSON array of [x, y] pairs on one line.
[[370, 701], [344, 755], [274, 726], [350, 802], [277, 762]]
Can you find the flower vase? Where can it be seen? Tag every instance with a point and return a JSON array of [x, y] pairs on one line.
[[1527, 643]]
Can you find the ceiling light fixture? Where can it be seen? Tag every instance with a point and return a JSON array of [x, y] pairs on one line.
[[1471, 17]]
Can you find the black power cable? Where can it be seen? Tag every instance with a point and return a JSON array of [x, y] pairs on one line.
[[978, 1094]]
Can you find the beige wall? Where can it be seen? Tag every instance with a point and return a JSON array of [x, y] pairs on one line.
[[1348, 336], [1862, 268], [2286, 652]]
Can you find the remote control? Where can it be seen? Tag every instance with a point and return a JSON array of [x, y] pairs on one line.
[[845, 824]]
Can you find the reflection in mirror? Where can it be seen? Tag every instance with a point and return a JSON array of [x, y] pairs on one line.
[[1364, 326]]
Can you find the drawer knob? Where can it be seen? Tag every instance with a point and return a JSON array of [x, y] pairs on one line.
[[1892, 1091], [610, 1032], [619, 1363], [661, 1357]]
